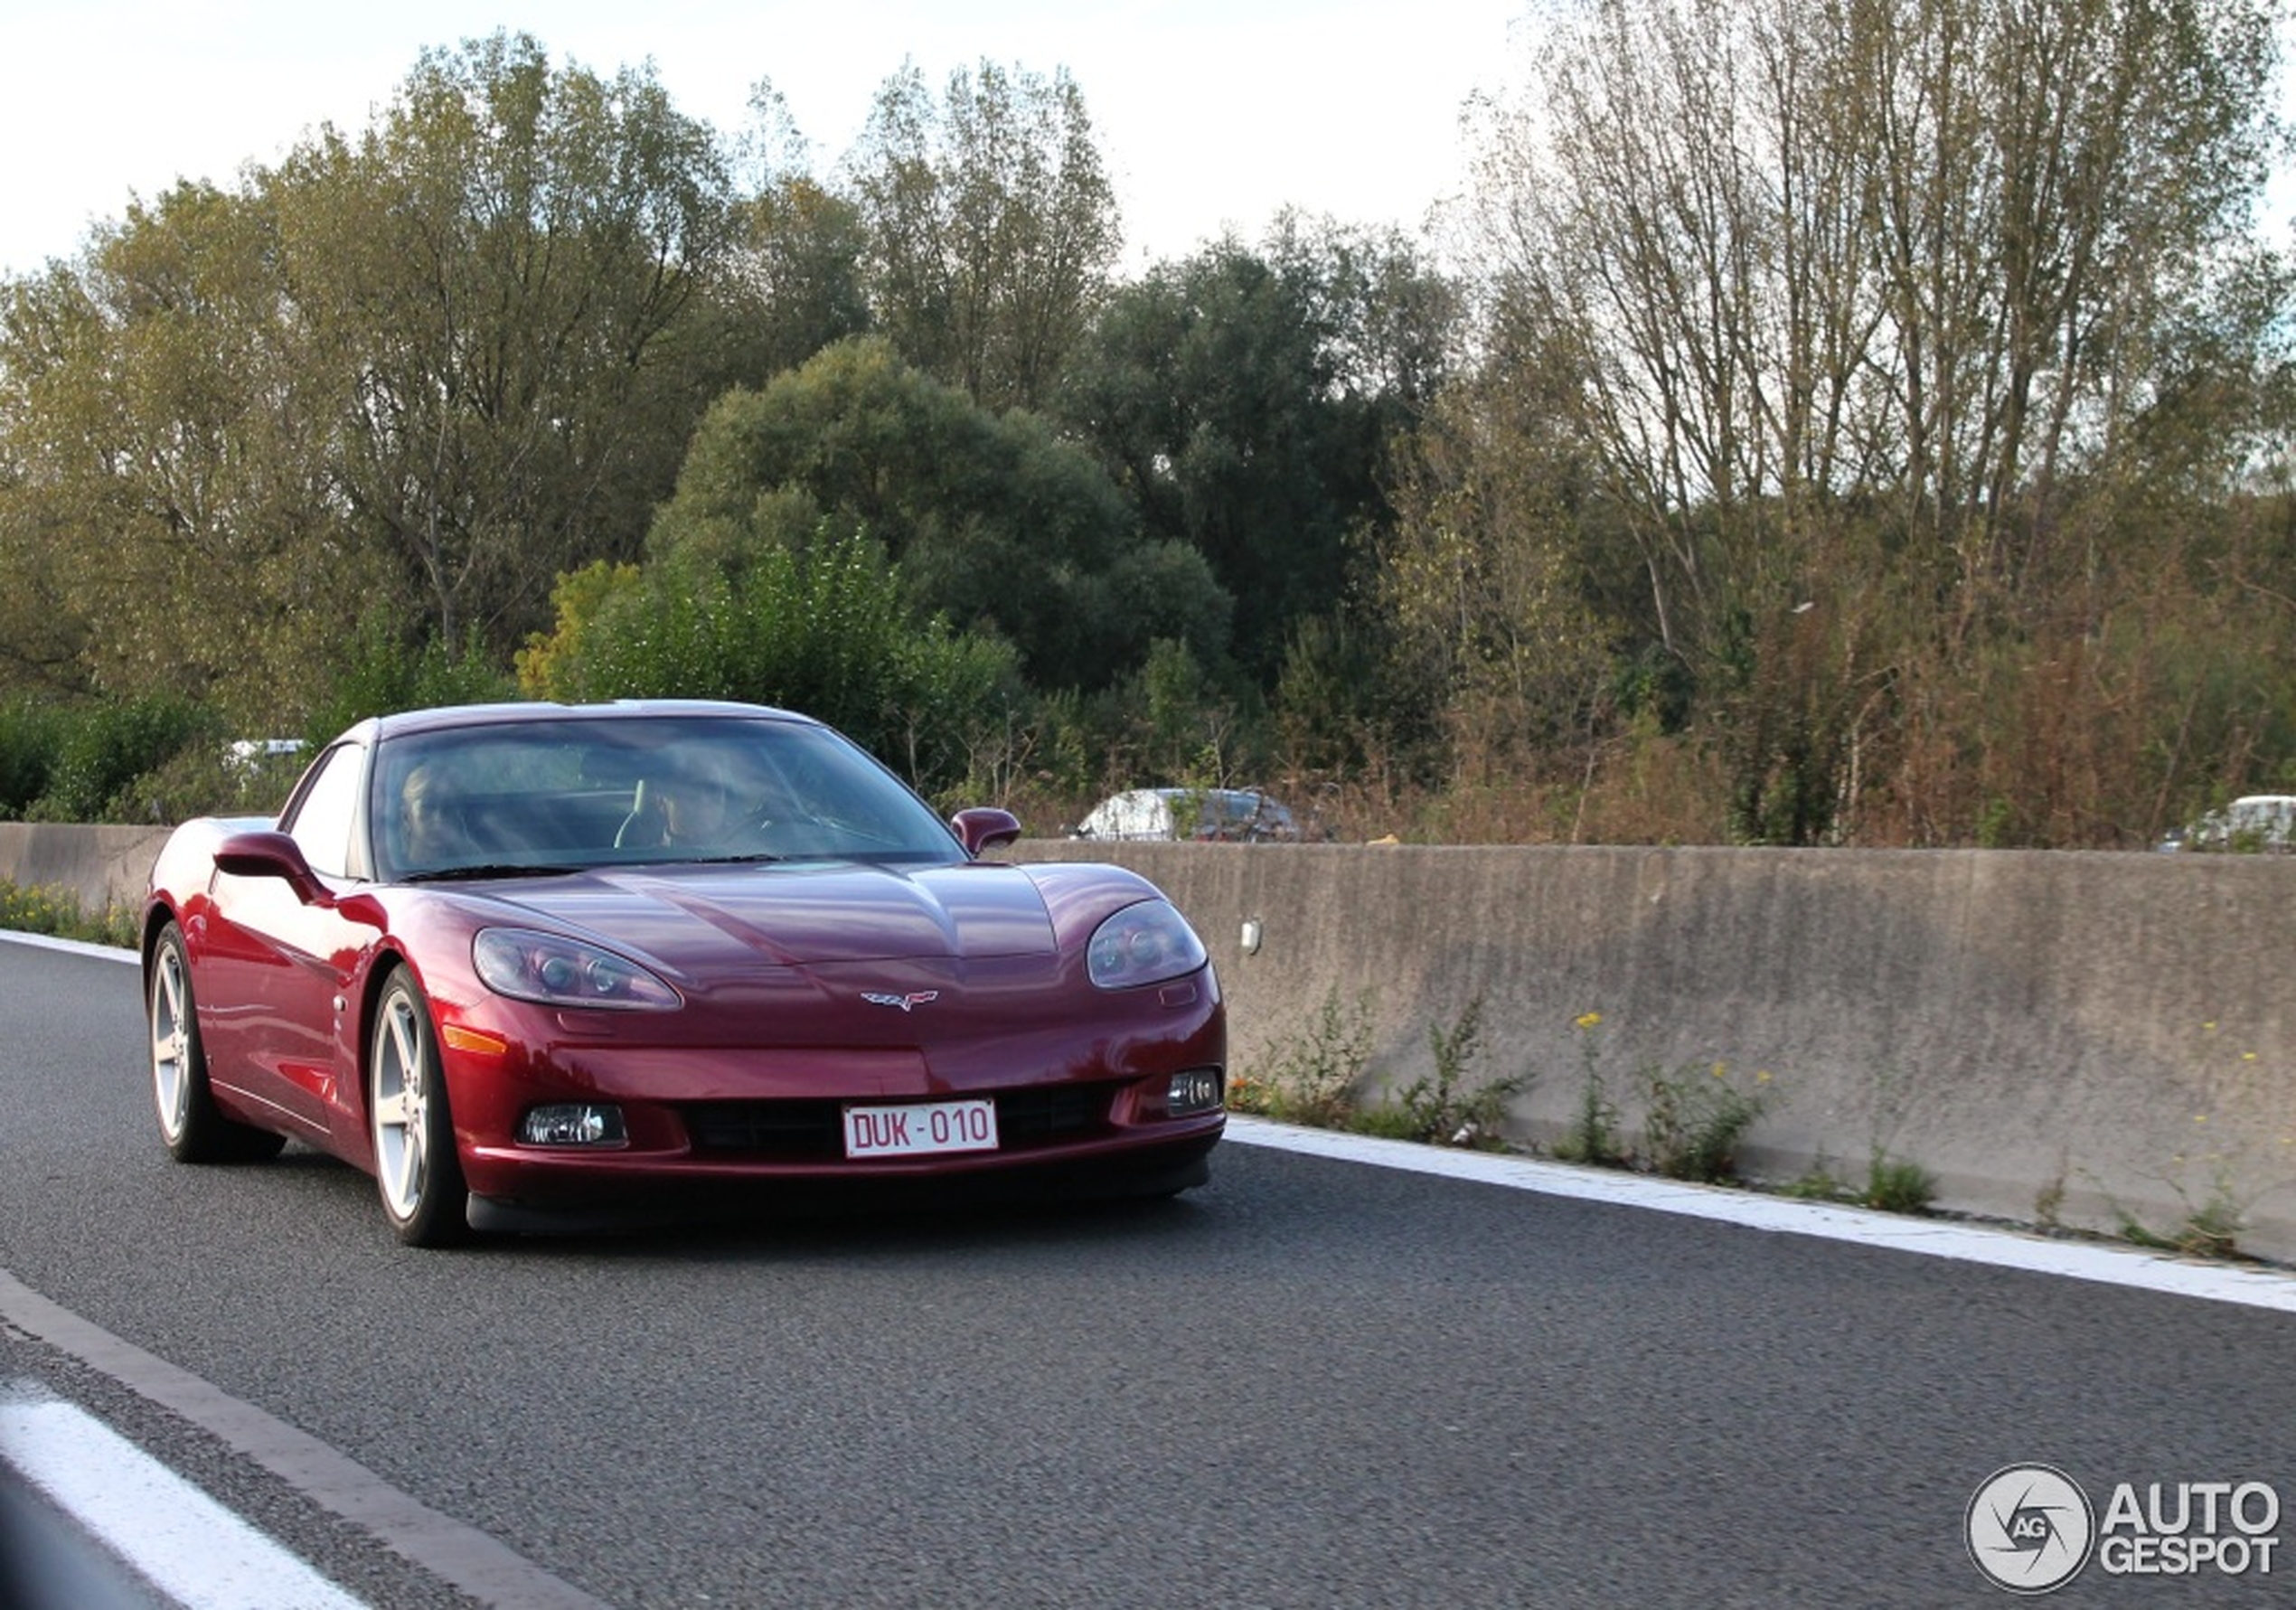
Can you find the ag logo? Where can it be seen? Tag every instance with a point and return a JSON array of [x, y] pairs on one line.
[[2030, 1528]]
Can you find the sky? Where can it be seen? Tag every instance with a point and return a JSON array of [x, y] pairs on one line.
[[1210, 114]]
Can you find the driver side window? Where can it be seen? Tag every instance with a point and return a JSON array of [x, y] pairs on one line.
[[322, 817]]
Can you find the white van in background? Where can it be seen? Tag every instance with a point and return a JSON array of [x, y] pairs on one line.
[[1243, 814]]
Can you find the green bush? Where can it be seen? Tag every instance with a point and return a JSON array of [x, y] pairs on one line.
[[208, 779], [1897, 1185], [825, 631], [104, 752], [381, 671], [1594, 1134], [31, 735]]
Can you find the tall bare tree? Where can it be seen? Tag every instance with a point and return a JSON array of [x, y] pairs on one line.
[[1877, 320], [991, 223], [1932, 253]]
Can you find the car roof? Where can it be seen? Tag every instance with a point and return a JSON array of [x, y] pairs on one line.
[[445, 718], [1194, 794]]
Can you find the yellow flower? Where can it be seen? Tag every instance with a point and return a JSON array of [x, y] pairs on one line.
[[1587, 1020], [1762, 1077], [1721, 1071], [2248, 1056]]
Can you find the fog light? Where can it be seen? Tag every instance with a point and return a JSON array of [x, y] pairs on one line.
[[1192, 1092], [573, 1124]]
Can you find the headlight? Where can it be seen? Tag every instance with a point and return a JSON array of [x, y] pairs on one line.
[[559, 971], [1143, 943]]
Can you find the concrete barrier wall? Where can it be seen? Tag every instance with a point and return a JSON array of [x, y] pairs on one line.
[[2057, 1036], [2063, 1037], [99, 867]]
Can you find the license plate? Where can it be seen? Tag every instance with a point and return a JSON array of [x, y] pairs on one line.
[[920, 1129]]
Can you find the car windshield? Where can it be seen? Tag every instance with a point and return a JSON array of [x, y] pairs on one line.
[[547, 795]]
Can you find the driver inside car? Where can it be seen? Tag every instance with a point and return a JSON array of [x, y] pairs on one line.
[[688, 807], [432, 830]]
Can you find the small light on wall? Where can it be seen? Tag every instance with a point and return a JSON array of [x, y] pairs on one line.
[[1251, 935]]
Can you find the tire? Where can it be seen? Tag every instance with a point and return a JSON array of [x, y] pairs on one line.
[[417, 1170], [191, 1125]]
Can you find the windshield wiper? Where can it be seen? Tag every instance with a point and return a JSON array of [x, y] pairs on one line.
[[487, 870]]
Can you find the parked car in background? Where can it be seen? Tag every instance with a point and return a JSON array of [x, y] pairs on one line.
[[1241, 814], [251, 754], [2254, 824]]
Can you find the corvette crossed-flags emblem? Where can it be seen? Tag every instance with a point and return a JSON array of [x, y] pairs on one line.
[[906, 1002]]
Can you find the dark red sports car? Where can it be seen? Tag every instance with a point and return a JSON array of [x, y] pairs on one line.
[[515, 960]]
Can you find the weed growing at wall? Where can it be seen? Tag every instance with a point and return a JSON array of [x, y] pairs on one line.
[[1898, 1185], [57, 913], [2211, 1220], [2209, 1230], [1594, 1134], [1816, 1183], [1313, 1079], [1692, 1118], [1893, 1184], [1693, 1121], [2213, 1215], [1448, 1108]]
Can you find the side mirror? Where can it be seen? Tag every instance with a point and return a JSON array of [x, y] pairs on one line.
[[269, 855], [984, 828]]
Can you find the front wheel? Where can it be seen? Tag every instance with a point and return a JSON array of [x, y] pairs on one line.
[[416, 1166], [193, 1129]]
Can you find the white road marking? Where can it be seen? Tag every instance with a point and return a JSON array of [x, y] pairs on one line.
[[2107, 1265], [169, 1532], [460, 1555], [102, 953]]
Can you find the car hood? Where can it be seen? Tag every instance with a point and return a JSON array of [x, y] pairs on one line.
[[701, 919]]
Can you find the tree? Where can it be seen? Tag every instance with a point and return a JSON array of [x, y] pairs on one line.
[[165, 504], [1246, 400], [414, 373], [1484, 582], [792, 283], [501, 267], [1906, 309], [991, 227], [993, 520]]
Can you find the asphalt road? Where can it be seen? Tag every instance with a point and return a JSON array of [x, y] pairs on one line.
[[1312, 1383]]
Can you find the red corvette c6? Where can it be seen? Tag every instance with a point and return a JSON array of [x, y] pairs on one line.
[[518, 960]]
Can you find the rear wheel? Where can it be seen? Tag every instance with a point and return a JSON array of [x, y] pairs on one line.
[[190, 1123], [416, 1166]]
